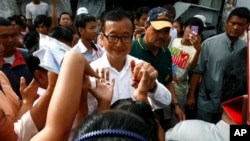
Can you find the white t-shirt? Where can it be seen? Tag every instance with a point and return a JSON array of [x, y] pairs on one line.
[[182, 56], [33, 10]]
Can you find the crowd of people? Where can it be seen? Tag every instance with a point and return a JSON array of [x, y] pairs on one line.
[[127, 76]]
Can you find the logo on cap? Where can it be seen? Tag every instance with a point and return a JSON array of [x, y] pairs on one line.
[[162, 16]]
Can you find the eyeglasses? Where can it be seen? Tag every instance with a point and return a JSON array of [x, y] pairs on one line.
[[113, 39]]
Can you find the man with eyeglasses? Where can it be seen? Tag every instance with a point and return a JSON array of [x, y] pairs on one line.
[[152, 47], [125, 69]]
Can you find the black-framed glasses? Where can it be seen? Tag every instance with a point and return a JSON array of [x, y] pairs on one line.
[[113, 39]]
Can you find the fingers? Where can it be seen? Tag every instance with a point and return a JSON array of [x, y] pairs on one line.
[[22, 83], [89, 71], [137, 72], [104, 76], [132, 66]]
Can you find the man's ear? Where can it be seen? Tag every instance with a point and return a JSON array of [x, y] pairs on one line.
[[183, 28], [146, 25], [39, 76], [81, 30]]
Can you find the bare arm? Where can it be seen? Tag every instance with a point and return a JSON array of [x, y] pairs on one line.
[[196, 42], [39, 111], [65, 98], [54, 19], [177, 109], [195, 79]]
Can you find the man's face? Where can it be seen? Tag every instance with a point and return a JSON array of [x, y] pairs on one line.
[[235, 26], [143, 19], [8, 38], [123, 28], [89, 32], [156, 38], [65, 20], [41, 28]]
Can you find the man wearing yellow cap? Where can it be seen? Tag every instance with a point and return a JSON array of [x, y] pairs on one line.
[[152, 47]]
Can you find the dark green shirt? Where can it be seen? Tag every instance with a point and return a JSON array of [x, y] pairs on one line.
[[162, 62]]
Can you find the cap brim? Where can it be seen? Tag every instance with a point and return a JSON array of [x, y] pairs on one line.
[[158, 25]]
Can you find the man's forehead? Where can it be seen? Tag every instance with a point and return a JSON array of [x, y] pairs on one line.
[[6, 29]]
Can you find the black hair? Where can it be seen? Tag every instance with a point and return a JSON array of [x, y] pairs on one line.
[[140, 109], [62, 33], [241, 12], [30, 39], [235, 76], [4, 22], [141, 10], [33, 61], [113, 119], [181, 26], [193, 21], [66, 13], [17, 19], [42, 19], [82, 20], [117, 15], [101, 17], [31, 27], [171, 10]]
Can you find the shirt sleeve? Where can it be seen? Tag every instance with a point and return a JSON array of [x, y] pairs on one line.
[[201, 65], [28, 14], [161, 98]]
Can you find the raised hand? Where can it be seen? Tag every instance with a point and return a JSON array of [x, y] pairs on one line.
[[137, 72], [28, 93], [103, 91]]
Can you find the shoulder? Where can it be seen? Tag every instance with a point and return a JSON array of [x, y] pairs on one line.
[[100, 62], [182, 130], [215, 38], [44, 3], [29, 4]]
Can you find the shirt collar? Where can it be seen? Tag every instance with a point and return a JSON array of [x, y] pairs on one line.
[[19, 60], [142, 44], [107, 64], [82, 48]]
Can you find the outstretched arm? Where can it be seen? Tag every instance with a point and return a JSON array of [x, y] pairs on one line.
[[66, 97], [54, 19]]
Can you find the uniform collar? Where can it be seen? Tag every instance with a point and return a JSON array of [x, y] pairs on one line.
[[143, 45]]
